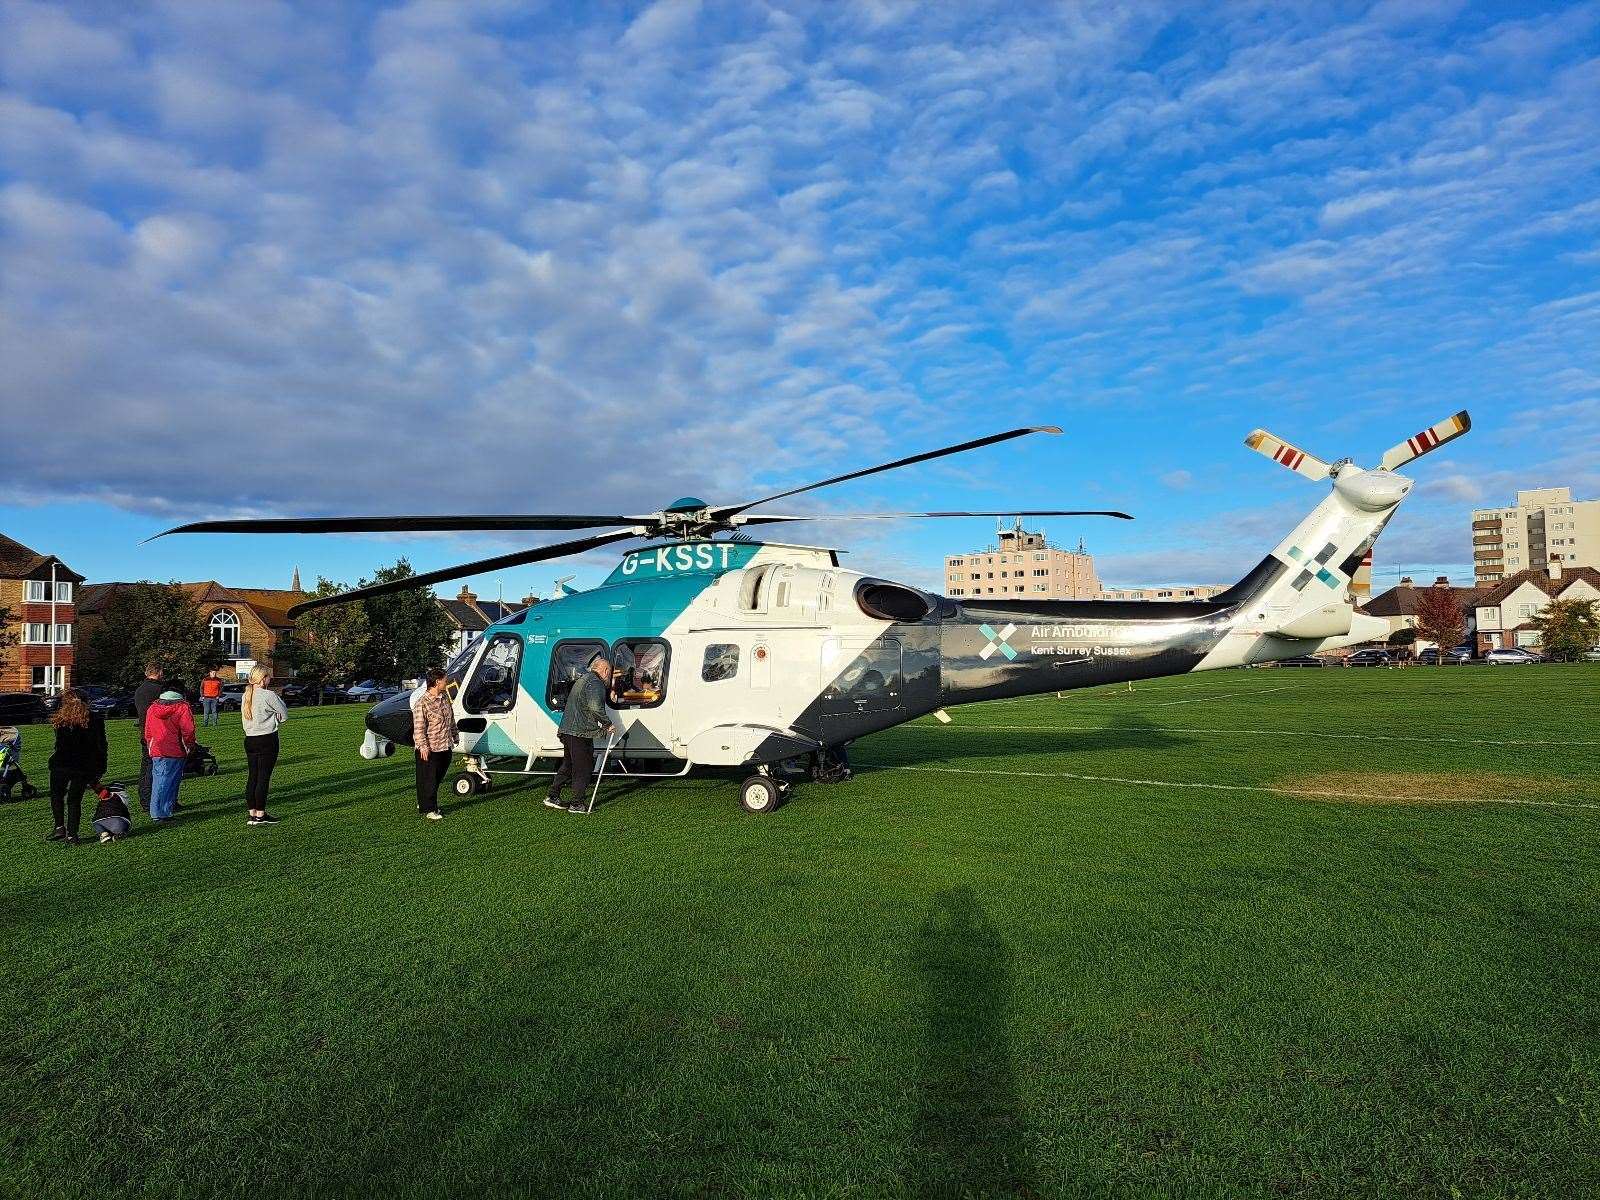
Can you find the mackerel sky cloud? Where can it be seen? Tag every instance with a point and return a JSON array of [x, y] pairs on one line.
[[261, 258]]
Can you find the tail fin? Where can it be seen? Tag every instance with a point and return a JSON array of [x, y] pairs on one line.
[[1431, 438], [1286, 455]]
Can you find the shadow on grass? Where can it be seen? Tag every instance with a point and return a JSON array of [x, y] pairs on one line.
[[968, 1134], [1128, 731]]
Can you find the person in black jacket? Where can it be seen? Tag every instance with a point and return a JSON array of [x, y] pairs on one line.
[[78, 763], [146, 694]]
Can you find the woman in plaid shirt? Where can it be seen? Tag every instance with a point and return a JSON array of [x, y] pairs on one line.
[[433, 733]]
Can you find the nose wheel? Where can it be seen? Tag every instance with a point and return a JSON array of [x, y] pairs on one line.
[[762, 794]]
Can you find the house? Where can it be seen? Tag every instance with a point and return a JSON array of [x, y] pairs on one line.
[[470, 616], [1504, 611], [1398, 605], [39, 592], [246, 623]]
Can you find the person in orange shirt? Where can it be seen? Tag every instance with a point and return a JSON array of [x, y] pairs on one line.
[[210, 696]]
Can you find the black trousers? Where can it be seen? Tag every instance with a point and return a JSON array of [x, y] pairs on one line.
[[261, 754], [430, 774], [144, 775], [577, 767], [66, 796]]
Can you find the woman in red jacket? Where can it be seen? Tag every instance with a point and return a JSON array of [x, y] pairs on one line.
[[169, 733]]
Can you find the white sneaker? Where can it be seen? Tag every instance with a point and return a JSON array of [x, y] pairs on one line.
[[104, 838], [435, 815]]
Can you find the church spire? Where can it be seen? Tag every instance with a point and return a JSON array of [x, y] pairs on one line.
[[295, 585]]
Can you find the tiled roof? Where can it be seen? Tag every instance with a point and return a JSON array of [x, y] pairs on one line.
[[464, 615], [1541, 580], [22, 562], [1402, 601], [270, 604]]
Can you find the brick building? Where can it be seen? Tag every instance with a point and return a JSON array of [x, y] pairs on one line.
[[40, 592], [1504, 611], [469, 616], [247, 623]]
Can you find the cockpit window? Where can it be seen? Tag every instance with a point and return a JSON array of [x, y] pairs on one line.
[[638, 673], [494, 683]]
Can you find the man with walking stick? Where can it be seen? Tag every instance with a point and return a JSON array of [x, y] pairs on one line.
[[583, 720]]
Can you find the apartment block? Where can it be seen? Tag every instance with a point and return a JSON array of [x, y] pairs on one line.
[[1022, 565], [1544, 526]]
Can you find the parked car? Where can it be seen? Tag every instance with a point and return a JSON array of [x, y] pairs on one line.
[[1369, 658], [232, 698], [106, 701], [308, 693], [1302, 660], [23, 708], [1453, 657], [370, 691], [1511, 656]]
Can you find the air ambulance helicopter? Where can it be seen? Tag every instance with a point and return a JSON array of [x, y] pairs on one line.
[[729, 652]]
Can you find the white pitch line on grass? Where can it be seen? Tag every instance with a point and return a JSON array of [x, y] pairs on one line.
[[1312, 734], [1241, 787], [1224, 695]]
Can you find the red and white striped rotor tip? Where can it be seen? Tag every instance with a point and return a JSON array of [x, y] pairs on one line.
[[1430, 438], [1286, 455]]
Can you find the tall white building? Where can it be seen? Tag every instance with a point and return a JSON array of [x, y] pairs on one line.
[[1546, 525], [1024, 566]]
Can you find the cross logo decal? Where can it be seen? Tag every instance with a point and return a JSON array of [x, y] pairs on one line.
[[997, 641]]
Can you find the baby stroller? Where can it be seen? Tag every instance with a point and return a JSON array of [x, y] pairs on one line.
[[200, 761], [11, 765]]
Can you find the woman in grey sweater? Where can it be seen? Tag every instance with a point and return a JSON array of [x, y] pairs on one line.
[[263, 712]]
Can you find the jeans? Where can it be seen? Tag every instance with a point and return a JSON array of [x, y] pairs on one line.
[[146, 789], [66, 792], [115, 826], [261, 753], [577, 767], [430, 774], [165, 775], [208, 705]]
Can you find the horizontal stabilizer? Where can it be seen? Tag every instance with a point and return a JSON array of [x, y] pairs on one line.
[[1431, 438], [1285, 455]]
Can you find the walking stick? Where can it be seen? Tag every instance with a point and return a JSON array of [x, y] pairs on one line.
[[605, 757]]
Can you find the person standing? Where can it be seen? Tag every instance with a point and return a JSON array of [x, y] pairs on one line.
[[582, 720], [433, 733], [211, 696], [169, 736], [78, 762], [144, 696], [263, 711]]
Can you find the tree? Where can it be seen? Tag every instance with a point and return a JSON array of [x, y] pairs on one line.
[[1568, 627], [327, 643], [1405, 636], [1440, 618], [147, 623], [8, 635], [407, 630]]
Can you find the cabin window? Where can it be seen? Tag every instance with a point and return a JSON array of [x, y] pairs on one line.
[[721, 662], [639, 673], [568, 660], [493, 688]]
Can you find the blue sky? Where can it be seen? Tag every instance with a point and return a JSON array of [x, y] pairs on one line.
[[486, 257]]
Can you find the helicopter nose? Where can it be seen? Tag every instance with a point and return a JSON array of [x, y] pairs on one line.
[[391, 719]]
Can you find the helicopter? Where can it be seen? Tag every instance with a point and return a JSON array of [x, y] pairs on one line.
[[769, 657]]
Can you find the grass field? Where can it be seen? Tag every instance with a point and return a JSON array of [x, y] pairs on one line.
[[1328, 933]]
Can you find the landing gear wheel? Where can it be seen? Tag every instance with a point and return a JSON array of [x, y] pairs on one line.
[[760, 794], [467, 785]]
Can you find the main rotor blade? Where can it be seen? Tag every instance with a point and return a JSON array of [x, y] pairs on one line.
[[419, 524], [765, 519], [445, 574], [722, 514]]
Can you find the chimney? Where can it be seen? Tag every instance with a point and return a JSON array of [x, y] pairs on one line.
[[1405, 581], [1555, 567], [1441, 581], [529, 600], [466, 594]]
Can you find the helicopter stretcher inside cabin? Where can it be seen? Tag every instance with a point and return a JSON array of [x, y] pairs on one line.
[[741, 654]]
